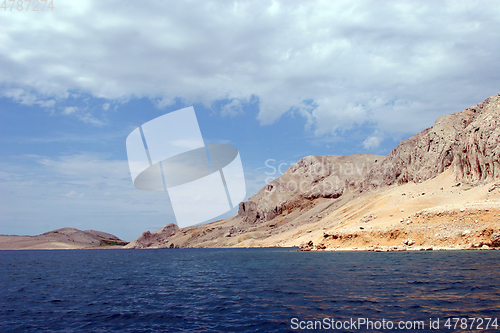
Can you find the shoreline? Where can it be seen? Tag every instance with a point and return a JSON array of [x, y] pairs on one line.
[[294, 248]]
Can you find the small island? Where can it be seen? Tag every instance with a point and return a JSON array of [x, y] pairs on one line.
[[62, 239]]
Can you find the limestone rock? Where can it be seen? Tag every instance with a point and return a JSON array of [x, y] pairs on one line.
[[408, 242], [320, 246], [368, 218], [306, 246], [310, 178], [154, 239], [495, 239], [468, 142]]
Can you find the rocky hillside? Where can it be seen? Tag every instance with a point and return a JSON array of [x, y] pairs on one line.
[[65, 238], [310, 178], [467, 142], [317, 194], [306, 191]]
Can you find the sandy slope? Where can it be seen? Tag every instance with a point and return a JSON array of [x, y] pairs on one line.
[[438, 213]]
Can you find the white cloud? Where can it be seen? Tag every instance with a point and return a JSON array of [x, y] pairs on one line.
[[73, 194], [88, 118], [360, 62], [70, 110], [82, 115], [164, 102], [373, 141], [105, 106], [25, 97], [231, 109]]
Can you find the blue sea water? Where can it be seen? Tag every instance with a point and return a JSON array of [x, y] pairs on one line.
[[241, 290]]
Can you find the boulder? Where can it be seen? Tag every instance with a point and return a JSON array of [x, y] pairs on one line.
[[495, 239], [306, 246]]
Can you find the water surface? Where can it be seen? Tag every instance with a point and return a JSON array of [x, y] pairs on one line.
[[238, 290]]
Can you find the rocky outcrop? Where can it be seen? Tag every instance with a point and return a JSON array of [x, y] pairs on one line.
[[310, 178], [158, 238], [306, 246], [495, 239], [466, 141], [101, 234]]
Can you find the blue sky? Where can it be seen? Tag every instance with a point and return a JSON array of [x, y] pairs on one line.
[[279, 80]]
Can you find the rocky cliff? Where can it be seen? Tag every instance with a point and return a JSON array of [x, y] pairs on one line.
[[310, 178], [466, 142], [159, 238], [322, 193], [291, 199]]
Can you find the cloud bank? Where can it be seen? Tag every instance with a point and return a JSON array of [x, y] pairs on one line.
[[395, 66]]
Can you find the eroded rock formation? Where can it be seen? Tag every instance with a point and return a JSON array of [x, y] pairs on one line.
[[466, 141], [310, 178]]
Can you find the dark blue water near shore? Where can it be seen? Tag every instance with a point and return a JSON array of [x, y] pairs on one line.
[[238, 290]]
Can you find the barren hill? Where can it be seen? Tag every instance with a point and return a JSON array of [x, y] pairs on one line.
[[437, 189], [65, 238]]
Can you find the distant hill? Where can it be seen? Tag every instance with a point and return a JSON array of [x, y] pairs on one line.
[[65, 238]]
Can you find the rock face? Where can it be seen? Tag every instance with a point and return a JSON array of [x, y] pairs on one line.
[[495, 239], [310, 178], [466, 141], [306, 246], [156, 239]]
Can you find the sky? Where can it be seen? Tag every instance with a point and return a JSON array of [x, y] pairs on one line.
[[279, 80]]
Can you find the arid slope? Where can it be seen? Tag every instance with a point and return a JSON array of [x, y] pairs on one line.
[[65, 238], [437, 189]]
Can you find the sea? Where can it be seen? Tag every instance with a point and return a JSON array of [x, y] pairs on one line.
[[248, 290]]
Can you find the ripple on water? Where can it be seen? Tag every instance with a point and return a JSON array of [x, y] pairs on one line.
[[227, 290]]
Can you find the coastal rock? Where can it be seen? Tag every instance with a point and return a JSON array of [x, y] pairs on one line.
[[320, 246], [408, 242], [306, 246], [156, 239], [495, 239], [310, 178]]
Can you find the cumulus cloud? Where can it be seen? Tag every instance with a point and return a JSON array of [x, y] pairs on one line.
[[373, 141], [359, 62]]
